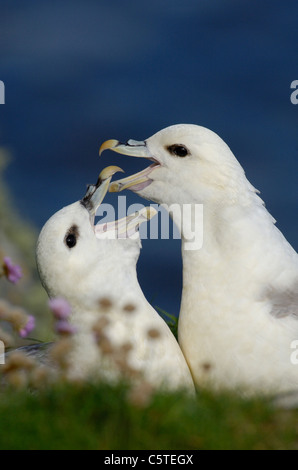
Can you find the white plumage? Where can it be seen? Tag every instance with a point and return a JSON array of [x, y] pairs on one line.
[[95, 271], [239, 307]]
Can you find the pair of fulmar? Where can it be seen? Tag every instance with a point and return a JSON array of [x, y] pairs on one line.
[[238, 317]]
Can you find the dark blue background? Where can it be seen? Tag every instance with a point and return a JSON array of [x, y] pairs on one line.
[[78, 72]]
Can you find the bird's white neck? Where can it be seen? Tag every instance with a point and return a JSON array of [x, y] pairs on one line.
[[118, 285], [233, 259]]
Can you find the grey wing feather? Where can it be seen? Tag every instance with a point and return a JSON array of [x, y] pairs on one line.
[[40, 352], [284, 303]]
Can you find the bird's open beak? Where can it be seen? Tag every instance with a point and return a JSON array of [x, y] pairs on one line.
[[127, 226], [133, 148], [96, 192]]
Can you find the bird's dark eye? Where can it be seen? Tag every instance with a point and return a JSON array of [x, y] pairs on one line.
[[71, 240], [178, 150], [71, 237]]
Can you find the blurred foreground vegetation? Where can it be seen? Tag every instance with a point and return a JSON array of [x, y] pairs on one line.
[[102, 417], [18, 240]]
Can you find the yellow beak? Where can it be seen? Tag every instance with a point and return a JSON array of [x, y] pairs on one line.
[[133, 148], [96, 192], [125, 227]]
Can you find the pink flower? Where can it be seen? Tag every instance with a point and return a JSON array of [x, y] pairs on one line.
[[60, 308], [30, 325], [63, 327], [13, 272], [62, 311]]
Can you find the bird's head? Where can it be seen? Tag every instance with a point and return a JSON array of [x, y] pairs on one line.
[[189, 163], [77, 259]]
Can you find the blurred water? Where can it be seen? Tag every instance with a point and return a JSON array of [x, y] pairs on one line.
[[79, 72]]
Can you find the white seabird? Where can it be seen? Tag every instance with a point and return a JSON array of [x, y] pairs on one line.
[[90, 266], [239, 307]]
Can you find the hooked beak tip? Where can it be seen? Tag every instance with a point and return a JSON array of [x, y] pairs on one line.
[[108, 172], [108, 145]]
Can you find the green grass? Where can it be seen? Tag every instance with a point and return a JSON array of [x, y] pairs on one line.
[[100, 417], [170, 319]]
